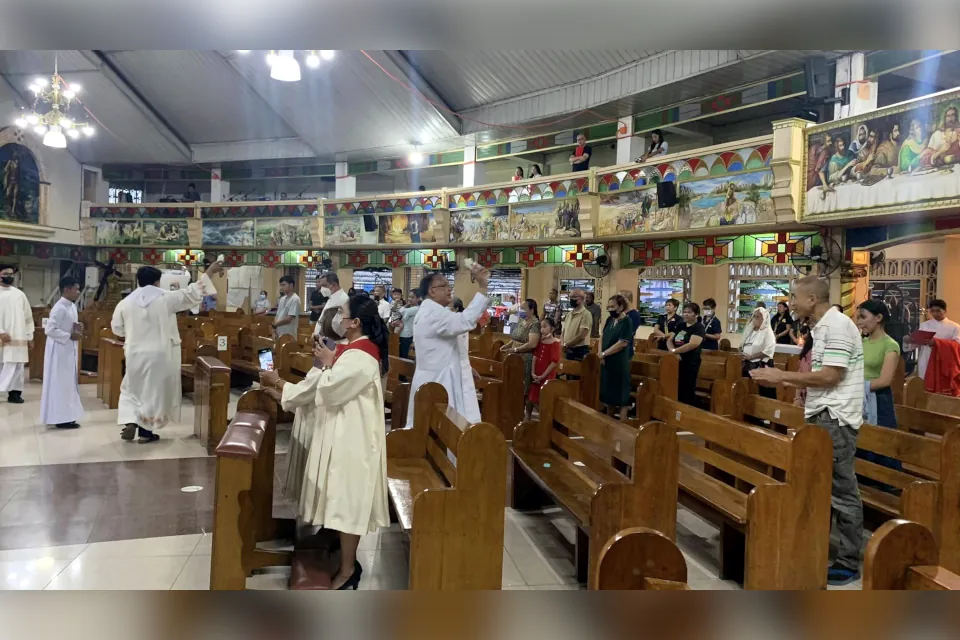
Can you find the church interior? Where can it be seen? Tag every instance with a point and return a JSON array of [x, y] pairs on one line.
[[666, 177]]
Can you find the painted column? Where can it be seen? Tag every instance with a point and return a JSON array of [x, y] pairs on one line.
[[219, 189], [863, 93], [948, 268], [346, 186], [629, 146], [469, 166]]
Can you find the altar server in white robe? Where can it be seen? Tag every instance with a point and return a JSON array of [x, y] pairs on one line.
[[150, 392], [60, 399], [16, 335], [441, 356], [345, 479]]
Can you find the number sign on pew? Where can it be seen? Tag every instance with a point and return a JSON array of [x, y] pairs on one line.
[[573, 457]]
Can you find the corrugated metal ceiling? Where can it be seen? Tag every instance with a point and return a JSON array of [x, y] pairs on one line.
[[467, 79]]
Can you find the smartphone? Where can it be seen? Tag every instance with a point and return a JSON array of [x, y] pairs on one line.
[[266, 359]]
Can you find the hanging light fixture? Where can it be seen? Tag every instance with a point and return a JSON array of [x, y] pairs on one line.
[[415, 156], [48, 114], [284, 65]]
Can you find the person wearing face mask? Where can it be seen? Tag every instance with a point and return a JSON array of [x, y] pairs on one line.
[[383, 305], [687, 342], [711, 325], [262, 305], [16, 335], [615, 357], [329, 325], [576, 327], [524, 338]]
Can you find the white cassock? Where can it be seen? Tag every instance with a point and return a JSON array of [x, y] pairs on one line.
[[150, 392], [345, 480], [443, 358], [945, 330], [16, 320], [302, 399], [60, 399]]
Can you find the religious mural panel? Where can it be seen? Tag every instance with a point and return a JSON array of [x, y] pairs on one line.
[[414, 228], [118, 232], [228, 233], [906, 155], [347, 231], [280, 232], [480, 225], [20, 180], [162, 233], [545, 220], [731, 200], [634, 211]]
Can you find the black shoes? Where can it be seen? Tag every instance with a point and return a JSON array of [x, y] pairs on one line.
[[354, 580], [15, 397], [129, 432], [67, 425]]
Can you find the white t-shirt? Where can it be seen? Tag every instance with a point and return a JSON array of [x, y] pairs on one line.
[[837, 343], [383, 307], [945, 330], [288, 306]]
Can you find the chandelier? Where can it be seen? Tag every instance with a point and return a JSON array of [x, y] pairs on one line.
[[49, 116], [284, 65]]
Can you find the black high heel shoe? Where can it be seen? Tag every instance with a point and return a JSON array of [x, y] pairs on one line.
[[354, 580]]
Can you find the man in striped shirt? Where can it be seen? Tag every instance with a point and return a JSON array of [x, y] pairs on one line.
[[835, 402]]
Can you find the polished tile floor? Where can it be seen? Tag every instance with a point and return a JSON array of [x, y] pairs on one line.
[[83, 510]]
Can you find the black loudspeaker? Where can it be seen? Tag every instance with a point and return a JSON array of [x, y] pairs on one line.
[[369, 222], [666, 194], [816, 75]]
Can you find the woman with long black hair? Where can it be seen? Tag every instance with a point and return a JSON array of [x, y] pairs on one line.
[[345, 476]]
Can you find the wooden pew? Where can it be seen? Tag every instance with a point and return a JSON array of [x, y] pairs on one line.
[[38, 351], [501, 386], [653, 373], [716, 366], [481, 344], [396, 395], [775, 535], [452, 511], [786, 362], [243, 498], [246, 359], [916, 395], [903, 555], [929, 481], [586, 375], [211, 399], [576, 457], [111, 363], [641, 559], [88, 347]]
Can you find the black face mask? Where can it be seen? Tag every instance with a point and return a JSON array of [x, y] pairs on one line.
[[7, 280], [574, 303], [614, 313]]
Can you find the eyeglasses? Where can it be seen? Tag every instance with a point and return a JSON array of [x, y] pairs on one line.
[[445, 285]]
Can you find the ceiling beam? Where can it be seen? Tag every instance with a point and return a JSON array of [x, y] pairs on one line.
[[408, 69], [270, 149], [111, 73]]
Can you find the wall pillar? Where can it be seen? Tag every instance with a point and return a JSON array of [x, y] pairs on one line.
[[863, 93], [469, 173], [948, 275], [346, 186], [629, 146]]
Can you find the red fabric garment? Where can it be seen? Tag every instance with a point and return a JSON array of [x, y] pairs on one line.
[[943, 369], [578, 151], [363, 344], [543, 356]]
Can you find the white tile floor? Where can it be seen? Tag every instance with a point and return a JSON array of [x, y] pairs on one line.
[[27, 442]]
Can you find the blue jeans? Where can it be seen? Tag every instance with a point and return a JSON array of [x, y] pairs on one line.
[[886, 417]]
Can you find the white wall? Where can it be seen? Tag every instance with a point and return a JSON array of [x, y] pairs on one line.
[[65, 176]]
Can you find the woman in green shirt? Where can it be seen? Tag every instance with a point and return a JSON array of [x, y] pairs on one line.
[[881, 356], [615, 357]]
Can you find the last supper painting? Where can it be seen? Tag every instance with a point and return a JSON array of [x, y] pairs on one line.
[[20, 181]]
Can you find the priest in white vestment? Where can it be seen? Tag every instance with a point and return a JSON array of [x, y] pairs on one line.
[[60, 399], [441, 356], [942, 328], [150, 392], [16, 335], [345, 478]]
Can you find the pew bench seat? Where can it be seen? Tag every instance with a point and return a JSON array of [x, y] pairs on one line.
[[406, 478], [719, 496], [570, 485], [246, 366]]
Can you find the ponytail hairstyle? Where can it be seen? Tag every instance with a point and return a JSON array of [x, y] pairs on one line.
[[364, 309]]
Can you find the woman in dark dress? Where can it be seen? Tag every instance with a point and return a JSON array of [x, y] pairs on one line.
[[615, 357], [782, 324], [687, 343]]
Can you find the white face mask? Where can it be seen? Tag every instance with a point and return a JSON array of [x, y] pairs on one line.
[[708, 312], [263, 296], [325, 292]]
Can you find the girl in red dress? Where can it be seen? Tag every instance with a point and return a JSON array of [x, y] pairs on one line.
[[546, 357]]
